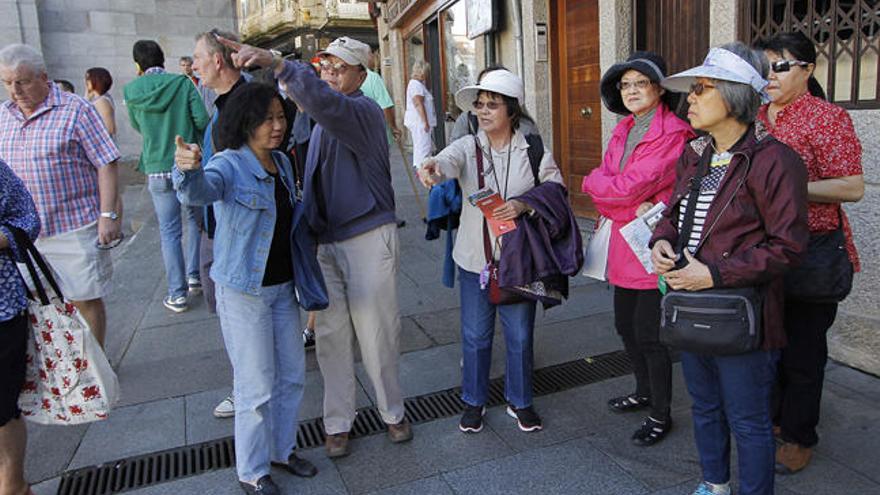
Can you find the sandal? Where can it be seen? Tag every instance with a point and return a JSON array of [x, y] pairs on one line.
[[651, 432], [627, 403]]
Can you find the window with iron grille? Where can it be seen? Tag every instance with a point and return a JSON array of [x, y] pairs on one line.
[[846, 34]]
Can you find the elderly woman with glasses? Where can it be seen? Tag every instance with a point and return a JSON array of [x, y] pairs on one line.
[[823, 135], [748, 227], [502, 153], [638, 171]]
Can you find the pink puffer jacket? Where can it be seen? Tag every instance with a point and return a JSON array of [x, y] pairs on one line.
[[648, 176]]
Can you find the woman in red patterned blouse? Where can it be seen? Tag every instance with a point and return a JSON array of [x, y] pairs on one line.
[[823, 135]]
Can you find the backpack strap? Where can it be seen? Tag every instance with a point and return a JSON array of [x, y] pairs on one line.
[[536, 154]]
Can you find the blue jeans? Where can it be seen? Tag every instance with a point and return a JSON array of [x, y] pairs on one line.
[[732, 393], [168, 210], [477, 330], [264, 342]]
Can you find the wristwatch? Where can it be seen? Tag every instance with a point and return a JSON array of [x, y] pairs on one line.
[[277, 59], [109, 214]]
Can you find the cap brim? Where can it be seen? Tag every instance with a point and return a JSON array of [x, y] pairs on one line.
[[466, 96], [344, 55], [682, 81]]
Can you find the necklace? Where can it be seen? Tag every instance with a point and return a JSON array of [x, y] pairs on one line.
[[494, 170]]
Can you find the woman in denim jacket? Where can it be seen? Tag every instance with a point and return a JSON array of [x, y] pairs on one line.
[[262, 265]]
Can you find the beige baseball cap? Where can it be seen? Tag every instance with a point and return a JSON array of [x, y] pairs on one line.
[[352, 51]]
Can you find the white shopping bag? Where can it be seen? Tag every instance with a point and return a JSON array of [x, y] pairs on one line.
[[596, 256], [68, 379]]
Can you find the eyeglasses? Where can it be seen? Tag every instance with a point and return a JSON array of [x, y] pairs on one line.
[[785, 65], [699, 88], [640, 84], [338, 67], [491, 105]]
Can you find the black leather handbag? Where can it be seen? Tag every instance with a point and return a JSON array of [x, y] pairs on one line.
[[826, 274], [714, 321]]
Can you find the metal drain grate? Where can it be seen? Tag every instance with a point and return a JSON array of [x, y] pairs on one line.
[[181, 462]]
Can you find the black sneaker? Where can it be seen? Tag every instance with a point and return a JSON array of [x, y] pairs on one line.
[[651, 432], [308, 338], [472, 419], [526, 418], [265, 486]]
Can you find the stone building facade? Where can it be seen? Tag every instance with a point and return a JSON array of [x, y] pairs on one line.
[[561, 48], [74, 35]]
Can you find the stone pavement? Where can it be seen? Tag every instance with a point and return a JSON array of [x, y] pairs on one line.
[[173, 370]]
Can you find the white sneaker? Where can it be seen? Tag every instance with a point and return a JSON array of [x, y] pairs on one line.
[[176, 304], [225, 409], [194, 285]]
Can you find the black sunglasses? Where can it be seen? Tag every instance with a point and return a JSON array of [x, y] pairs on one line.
[[785, 65]]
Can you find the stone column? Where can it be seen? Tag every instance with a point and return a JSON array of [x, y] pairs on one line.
[[615, 44]]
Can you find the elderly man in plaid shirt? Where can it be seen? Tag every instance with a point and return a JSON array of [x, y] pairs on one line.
[[57, 144]]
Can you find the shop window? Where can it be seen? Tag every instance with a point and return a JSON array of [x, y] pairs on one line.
[[847, 38], [459, 55], [415, 49]]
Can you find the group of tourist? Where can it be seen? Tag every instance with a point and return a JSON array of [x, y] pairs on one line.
[[761, 165]]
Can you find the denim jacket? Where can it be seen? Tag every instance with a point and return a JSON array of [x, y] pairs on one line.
[[243, 194]]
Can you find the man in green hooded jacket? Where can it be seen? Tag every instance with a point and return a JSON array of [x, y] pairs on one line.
[[161, 106]]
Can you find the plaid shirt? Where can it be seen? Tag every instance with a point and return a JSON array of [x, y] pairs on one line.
[[57, 152]]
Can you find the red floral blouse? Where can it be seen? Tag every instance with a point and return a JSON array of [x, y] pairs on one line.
[[823, 135]]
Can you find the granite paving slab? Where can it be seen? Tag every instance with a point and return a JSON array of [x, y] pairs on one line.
[[133, 430], [434, 485], [152, 344], [559, 469], [50, 449], [174, 377], [825, 476], [438, 446]]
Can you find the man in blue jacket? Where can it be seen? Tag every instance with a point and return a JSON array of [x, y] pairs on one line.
[[350, 206]]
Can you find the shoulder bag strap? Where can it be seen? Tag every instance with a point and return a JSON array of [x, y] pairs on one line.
[[481, 183], [696, 181], [31, 257]]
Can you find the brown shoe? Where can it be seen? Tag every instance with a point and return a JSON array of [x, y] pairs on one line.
[[791, 458], [401, 432], [337, 445]]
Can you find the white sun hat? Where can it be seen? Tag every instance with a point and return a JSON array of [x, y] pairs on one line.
[[497, 81], [722, 65]]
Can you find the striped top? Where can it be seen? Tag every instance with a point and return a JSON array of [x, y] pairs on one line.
[[708, 190]]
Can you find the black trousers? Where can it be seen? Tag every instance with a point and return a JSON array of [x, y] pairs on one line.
[[637, 318], [798, 393], [13, 346]]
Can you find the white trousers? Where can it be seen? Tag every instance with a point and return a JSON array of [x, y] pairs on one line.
[[422, 144]]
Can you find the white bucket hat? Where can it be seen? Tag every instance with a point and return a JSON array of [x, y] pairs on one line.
[[352, 51], [723, 65], [497, 81]]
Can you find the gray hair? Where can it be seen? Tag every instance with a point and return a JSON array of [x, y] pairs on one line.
[[18, 55], [420, 69], [214, 46], [741, 99]]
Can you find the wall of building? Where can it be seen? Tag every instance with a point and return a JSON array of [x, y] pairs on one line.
[[77, 34]]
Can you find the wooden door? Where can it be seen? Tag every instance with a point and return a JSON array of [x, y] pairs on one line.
[[577, 128]]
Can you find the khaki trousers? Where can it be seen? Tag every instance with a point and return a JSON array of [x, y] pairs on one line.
[[361, 278]]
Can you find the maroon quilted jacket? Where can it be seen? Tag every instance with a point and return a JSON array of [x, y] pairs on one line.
[[762, 232]]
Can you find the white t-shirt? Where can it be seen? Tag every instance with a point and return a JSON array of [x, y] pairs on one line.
[[412, 118]]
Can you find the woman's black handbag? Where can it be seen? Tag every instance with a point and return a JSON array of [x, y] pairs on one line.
[[826, 274], [713, 321]]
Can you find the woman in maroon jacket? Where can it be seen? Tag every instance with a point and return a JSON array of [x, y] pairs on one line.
[[750, 228]]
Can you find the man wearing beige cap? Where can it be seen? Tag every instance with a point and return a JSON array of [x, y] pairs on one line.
[[349, 203]]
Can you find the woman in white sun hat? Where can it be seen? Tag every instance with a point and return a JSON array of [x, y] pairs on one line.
[[497, 102], [746, 196]]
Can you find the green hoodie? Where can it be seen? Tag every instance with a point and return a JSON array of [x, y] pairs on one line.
[[160, 107]]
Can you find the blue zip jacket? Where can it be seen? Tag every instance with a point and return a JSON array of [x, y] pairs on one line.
[[347, 158], [243, 194]]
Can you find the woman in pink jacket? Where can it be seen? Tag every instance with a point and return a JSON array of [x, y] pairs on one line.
[[638, 171]]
